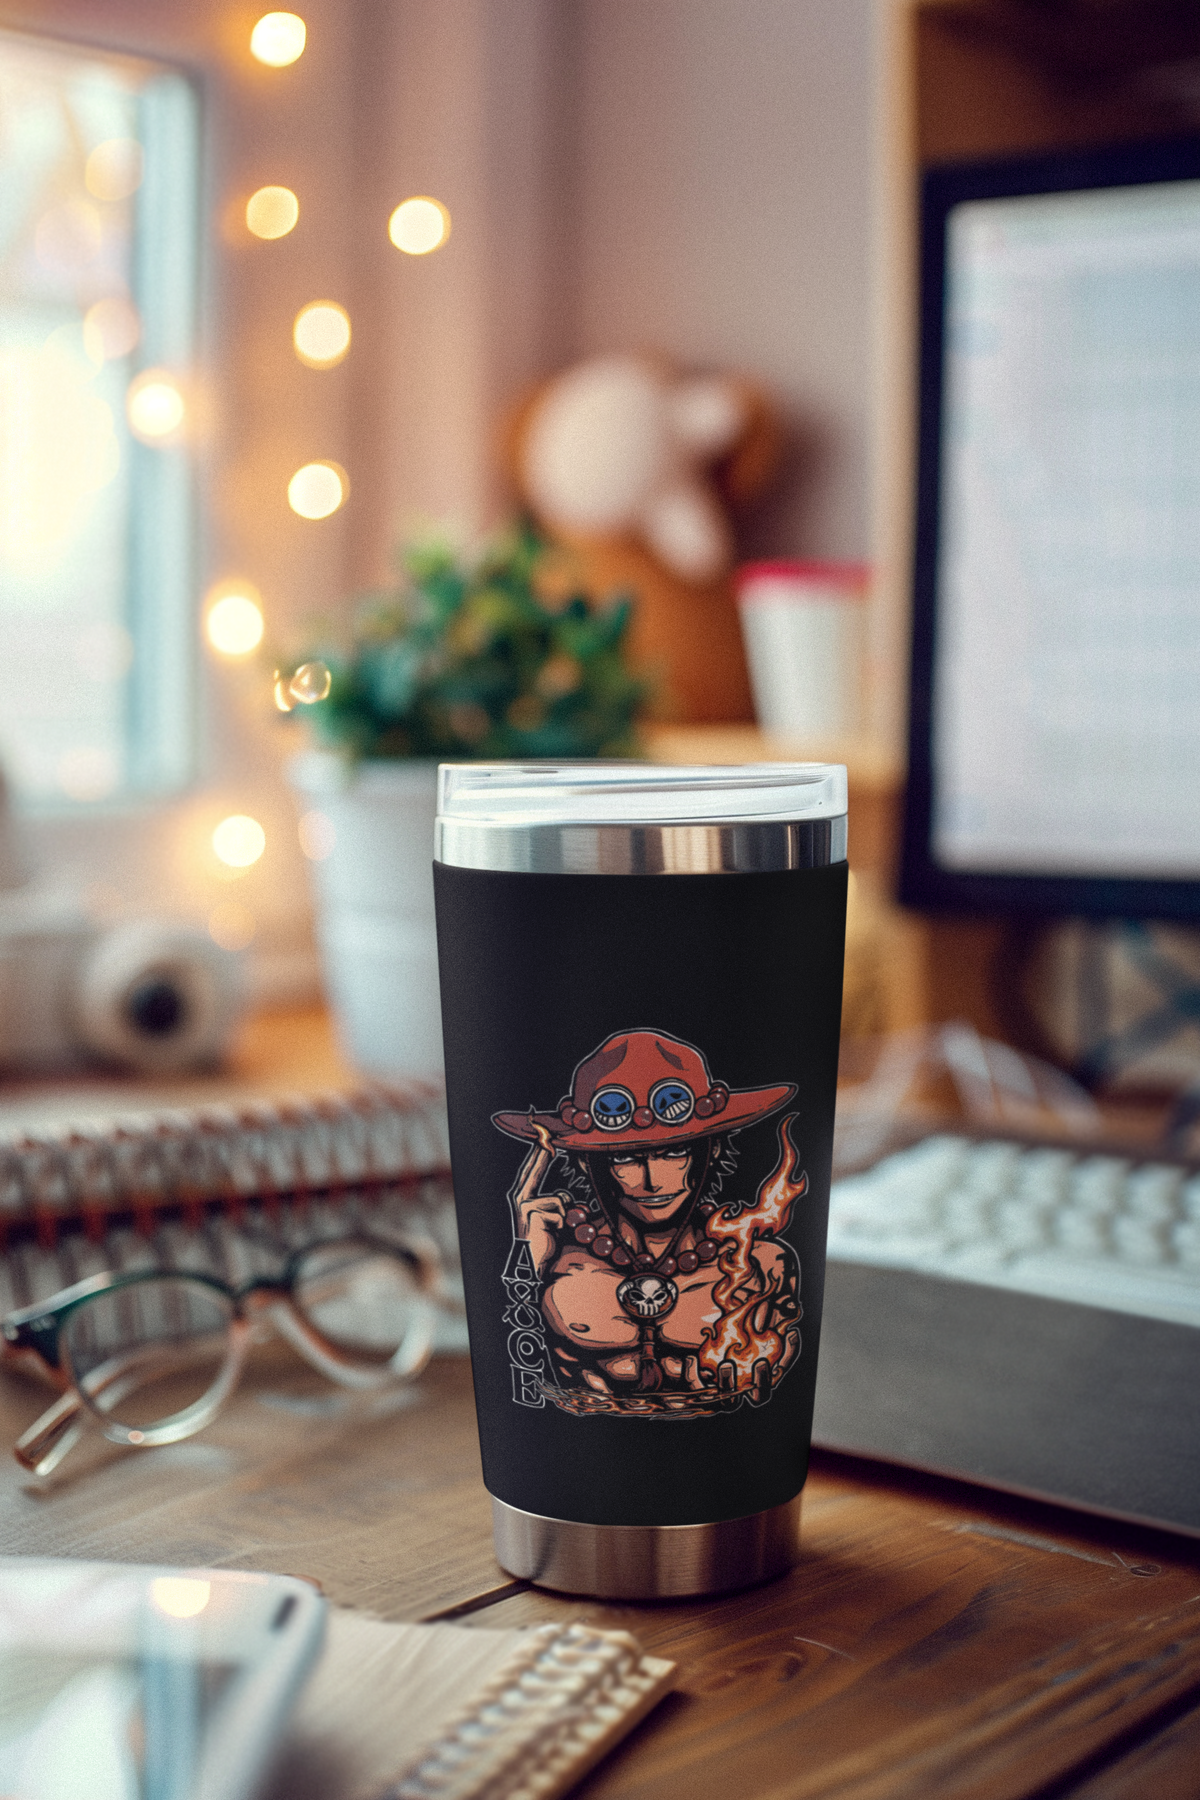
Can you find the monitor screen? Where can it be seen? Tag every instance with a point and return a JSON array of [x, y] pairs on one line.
[[1055, 719]]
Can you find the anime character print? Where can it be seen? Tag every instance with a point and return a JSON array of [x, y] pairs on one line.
[[640, 1281]]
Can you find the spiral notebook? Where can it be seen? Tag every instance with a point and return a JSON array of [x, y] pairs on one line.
[[224, 1189], [438, 1712]]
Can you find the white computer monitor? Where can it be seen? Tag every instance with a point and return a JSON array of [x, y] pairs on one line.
[[1055, 694]]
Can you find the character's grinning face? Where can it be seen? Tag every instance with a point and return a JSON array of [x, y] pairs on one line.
[[654, 1185]]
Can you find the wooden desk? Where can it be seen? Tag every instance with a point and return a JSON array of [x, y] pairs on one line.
[[935, 1640]]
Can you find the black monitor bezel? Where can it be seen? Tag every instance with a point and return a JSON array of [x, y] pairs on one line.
[[924, 883]]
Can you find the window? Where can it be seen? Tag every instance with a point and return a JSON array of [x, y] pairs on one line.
[[98, 248]]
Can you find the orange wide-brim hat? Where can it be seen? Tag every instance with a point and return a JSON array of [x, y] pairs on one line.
[[644, 1090]]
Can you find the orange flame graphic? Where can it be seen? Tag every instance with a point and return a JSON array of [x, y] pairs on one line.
[[540, 1133], [743, 1337]]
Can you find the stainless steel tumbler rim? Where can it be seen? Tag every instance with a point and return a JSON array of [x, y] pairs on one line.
[[646, 1562], [693, 847], [628, 818]]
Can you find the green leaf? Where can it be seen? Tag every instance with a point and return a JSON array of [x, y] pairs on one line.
[[447, 663]]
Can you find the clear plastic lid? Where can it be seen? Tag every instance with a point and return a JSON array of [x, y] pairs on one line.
[[627, 793]]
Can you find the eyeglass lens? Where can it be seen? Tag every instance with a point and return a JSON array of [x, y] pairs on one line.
[[360, 1298], [148, 1351]]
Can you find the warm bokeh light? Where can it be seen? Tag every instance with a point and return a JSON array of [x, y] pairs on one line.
[[232, 926], [272, 212], [278, 39], [180, 1596], [239, 841], [114, 169], [154, 406], [311, 682], [321, 334], [111, 329], [318, 835], [318, 489], [233, 622], [419, 225]]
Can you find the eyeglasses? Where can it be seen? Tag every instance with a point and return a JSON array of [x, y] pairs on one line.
[[152, 1356]]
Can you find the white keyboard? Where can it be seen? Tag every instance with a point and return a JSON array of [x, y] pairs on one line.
[[1094, 1229]]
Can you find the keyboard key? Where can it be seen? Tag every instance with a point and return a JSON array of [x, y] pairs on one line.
[[1100, 1230]]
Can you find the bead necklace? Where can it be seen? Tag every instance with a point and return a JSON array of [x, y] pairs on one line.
[[601, 1242], [647, 1293]]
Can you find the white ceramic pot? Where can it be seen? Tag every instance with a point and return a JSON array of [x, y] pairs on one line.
[[373, 887]]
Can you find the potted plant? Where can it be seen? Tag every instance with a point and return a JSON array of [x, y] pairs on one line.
[[485, 658]]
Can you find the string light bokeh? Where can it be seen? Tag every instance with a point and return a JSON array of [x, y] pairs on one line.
[[311, 682], [239, 841], [321, 339], [318, 489], [278, 39], [233, 622], [271, 212], [419, 225], [155, 406], [321, 334]]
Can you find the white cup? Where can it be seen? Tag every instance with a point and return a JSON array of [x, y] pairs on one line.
[[804, 627]]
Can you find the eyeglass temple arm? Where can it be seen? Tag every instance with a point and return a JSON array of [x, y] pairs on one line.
[[48, 1439]]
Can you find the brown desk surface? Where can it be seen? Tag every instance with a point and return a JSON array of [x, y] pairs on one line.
[[935, 1640]]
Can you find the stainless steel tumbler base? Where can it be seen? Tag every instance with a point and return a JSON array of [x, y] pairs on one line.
[[646, 1562]]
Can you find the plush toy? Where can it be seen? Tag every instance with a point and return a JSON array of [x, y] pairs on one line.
[[632, 466]]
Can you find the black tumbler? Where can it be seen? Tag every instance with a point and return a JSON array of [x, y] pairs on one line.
[[641, 971]]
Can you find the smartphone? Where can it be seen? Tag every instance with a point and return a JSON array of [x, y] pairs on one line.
[[125, 1683]]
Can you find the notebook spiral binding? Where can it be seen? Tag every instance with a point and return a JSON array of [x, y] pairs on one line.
[[540, 1722], [230, 1190]]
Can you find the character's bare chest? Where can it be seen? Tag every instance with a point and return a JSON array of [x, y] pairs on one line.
[[581, 1303]]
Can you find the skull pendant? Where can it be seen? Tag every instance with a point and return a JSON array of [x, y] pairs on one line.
[[647, 1296]]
